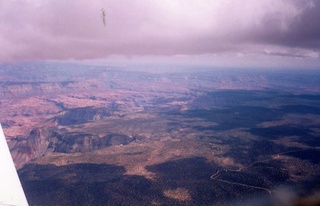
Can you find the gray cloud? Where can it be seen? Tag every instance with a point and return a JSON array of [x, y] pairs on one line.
[[301, 31], [56, 29]]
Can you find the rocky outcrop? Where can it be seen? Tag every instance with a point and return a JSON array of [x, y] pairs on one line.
[[75, 142], [82, 115]]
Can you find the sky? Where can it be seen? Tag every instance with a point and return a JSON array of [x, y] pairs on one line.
[[232, 33]]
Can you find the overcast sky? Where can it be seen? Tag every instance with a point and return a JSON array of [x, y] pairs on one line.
[[261, 33]]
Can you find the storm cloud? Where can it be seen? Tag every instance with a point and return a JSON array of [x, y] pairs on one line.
[[61, 30]]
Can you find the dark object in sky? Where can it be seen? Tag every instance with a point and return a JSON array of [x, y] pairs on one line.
[[103, 15]]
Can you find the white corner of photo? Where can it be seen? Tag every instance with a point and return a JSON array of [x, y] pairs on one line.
[[11, 191]]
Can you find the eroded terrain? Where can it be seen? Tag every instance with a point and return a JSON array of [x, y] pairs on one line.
[[87, 135]]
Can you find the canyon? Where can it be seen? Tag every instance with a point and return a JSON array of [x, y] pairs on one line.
[[100, 135]]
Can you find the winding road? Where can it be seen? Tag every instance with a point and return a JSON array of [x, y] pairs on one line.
[[216, 175]]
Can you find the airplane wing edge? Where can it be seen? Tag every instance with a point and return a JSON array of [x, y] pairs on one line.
[[11, 191]]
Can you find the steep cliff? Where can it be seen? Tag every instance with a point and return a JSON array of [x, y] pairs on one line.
[[24, 149], [26, 89]]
